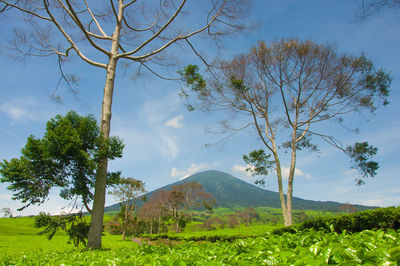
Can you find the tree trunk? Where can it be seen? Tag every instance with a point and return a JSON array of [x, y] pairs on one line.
[[177, 226], [123, 234], [287, 220], [96, 223], [159, 223], [292, 170]]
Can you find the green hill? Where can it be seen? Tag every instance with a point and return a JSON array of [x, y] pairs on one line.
[[231, 192]]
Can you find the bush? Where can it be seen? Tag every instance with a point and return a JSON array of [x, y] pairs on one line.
[[382, 218]]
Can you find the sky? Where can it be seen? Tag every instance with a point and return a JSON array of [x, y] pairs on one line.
[[165, 142]]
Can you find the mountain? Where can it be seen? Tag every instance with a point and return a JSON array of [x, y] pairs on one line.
[[231, 192]]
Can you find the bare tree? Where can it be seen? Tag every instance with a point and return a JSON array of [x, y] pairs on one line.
[[105, 33], [154, 210], [370, 7], [184, 196], [6, 213], [348, 208], [285, 90], [248, 215]]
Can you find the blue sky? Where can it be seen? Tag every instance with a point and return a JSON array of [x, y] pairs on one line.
[[164, 142]]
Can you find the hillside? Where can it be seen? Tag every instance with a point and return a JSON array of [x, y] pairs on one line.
[[231, 192]]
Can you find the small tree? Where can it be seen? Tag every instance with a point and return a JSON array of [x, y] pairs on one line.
[[127, 191], [153, 211], [284, 90], [248, 215], [6, 213], [185, 196], [347, 207], [66, 157], [232, 221]]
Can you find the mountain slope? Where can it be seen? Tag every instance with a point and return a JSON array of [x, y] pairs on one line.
[[231, 192]]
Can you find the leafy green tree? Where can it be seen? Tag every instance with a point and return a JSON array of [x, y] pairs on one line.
[[127, 191], [66, 157], [284, 90]]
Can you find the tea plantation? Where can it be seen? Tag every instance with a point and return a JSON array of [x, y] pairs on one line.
[[303, 244]]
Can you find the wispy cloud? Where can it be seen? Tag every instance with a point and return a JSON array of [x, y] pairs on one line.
[[285, 171], [193, 168], [153, 114], [241, 169], [20, 109], [297, 173], [175, 122]]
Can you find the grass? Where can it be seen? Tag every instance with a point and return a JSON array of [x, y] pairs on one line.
[[17, 235]]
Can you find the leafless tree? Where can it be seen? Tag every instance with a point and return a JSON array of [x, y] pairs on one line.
[[370, 7], [105, 33], [286, 88], [6, 213], [154, 210], [184, 196]]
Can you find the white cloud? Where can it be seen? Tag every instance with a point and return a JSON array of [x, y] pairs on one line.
[[17, 112], [297, 173], [241, 169], [168, 147], [153, 114], [194, 168], [175, 122], [285, 171]]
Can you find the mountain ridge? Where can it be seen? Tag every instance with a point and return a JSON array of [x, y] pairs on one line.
[[231, 192]]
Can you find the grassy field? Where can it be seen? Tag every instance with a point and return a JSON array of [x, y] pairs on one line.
[[17, 236]]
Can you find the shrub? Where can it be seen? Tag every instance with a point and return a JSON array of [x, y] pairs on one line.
[[382, 218]]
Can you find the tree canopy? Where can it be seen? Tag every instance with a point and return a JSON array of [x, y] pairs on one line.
[[65, 157], [284, 90]]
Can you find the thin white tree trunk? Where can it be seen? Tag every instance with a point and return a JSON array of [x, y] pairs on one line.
[[96, 223], [291, 180], [287, 220]]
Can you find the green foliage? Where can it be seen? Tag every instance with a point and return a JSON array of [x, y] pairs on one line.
[[382, 218], [74, 225], [65, 157], [306, 248], [191, 77], [360, 153], [304, 144], [259, 164]]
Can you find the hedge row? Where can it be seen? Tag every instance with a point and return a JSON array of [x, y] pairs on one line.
[[210, 238], [381, 218]]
